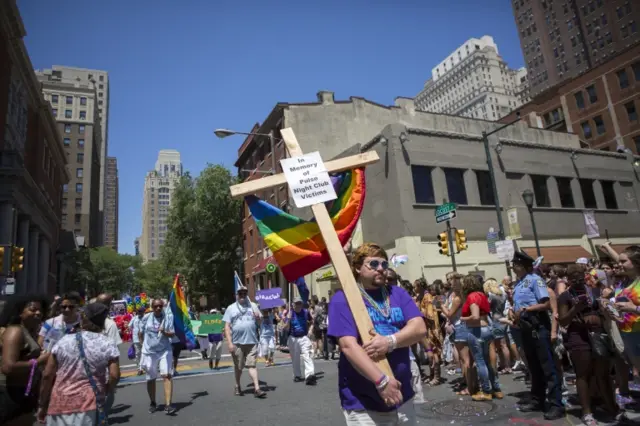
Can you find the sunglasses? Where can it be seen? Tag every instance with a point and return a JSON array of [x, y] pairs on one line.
[[375, 264], [69, 307], [157, 306]]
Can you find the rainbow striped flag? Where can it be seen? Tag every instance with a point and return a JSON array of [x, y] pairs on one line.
[[180, 312], [297, 244]]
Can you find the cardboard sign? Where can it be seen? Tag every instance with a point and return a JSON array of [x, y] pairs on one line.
[[309, 182], [210, 324]]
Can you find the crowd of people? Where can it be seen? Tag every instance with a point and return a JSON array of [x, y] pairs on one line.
[[60, 363]]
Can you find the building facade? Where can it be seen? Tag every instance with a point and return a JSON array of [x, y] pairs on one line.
[[427, 157], [98, 79], [474, 81], [561, 40], [158, 189], [111, 204], [32, 165], [601, 106], [75, 107]]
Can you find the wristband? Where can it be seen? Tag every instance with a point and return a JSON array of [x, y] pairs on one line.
[[382, 383], [34, 364], [393, 343]]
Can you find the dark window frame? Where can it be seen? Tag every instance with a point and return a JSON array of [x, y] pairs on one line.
[[565, 192], [540, 184], [609, 193], [453, 177], [423, 180]]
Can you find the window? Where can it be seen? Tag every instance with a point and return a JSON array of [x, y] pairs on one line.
[[540, 190], [586, 187], [80, 157], [78, 203], [593, 95], [636, 71], [65, 188], [636, 140], [485, 188], [623, 79], [101, 78], [100, 102], [609, 195], [77, 218], [64, 203], [83, 101], [100, 94], [566, 194], [599, 124], [79, 172], [64, 218], [455, 186], [67, 141], [55, 112], [101, 86], [83, 115], [67, 128], [81, 129], [632, 113], [80, 143], [69, 100], [79, 188], [586, 129], [579, 100], [67, 113], [54, 99], [423, 184]]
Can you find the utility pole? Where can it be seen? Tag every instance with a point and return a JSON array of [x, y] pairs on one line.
[[453, 252]]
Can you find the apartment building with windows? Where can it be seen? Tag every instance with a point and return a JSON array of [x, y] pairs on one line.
[[474, 81], [601, 106], [563, 39], [74, 106], [111, 204], [158, 189]]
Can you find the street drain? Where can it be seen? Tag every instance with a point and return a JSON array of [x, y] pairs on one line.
[[456, 409]]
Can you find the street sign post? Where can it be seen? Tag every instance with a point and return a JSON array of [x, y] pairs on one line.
[[446, 217], [445, 212]]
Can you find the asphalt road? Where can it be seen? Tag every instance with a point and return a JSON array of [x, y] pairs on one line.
[[206, 397]]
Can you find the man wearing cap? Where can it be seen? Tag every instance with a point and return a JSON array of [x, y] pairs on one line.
[[531, 309], [241, 321], [298, 324], [215, 346]]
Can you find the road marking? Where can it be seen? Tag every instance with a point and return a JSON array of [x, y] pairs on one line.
[[181, 359]]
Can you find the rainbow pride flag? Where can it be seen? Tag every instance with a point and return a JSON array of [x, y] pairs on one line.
[[180, 312], [297, 244]]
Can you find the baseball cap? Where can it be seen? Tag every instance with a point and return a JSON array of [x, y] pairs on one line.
[[297, 300], [242, 288], [582, 261]]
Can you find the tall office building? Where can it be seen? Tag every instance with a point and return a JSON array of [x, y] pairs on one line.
[[76, 110], [111, 204], [100, 80], [563, 39], [158, 189], [474, 81]]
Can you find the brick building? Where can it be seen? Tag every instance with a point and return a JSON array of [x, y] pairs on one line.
[[600, 106], [32, 163]]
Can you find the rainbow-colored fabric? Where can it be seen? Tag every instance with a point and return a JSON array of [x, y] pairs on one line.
[[297, 244], [180, 312], [631, 321]]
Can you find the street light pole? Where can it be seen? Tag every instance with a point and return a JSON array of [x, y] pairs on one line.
[[527, 196]]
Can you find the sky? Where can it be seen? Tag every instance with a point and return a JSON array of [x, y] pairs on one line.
[[180, 69]]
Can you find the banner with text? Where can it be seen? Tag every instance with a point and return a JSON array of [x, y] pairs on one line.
[[210, 324], [269, 298], [514, 225], [590, 224]]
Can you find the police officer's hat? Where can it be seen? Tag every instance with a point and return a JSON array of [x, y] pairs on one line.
[[522, 258]]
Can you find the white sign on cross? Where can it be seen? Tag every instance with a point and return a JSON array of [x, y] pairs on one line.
[[334, 248]]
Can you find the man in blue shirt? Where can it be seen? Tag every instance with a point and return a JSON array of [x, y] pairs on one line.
[[531, 309], [297, 323]]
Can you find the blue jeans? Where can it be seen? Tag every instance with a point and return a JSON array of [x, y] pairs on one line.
[[478, 339]]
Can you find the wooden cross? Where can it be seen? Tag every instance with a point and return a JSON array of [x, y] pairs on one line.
[[334, 248]]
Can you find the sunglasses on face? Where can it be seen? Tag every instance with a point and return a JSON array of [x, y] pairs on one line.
[[69, 307], [375, 264], [157, 306]]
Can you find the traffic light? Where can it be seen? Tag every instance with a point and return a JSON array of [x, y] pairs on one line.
[[443, 243], [461, 240], [17, 259], [1, 260]]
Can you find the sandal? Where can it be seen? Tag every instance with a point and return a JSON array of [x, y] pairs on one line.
[[238, 392], [260, 394], [464, 392]]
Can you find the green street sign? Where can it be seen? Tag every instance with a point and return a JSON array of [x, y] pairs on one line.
[[445, 208]]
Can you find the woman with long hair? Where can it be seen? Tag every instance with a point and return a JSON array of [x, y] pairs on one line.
[[497, 301], [81, 372], [628, 302], [475, 313], [581, 313], [430, 307], [21, 358]]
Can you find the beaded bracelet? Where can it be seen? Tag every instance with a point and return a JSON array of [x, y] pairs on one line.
[[34, 364]]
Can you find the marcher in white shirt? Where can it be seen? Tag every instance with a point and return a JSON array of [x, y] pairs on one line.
[[134, 326], [57, 327]]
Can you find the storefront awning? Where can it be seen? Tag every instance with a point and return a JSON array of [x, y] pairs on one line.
[[559, 254], [261, 266]]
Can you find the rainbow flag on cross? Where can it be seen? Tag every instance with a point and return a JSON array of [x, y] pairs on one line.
[[181, 320]]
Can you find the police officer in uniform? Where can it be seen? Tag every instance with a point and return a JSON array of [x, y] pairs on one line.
[[531, 308]]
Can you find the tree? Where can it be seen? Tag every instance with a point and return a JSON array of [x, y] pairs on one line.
[[154, 279], [204, 230]]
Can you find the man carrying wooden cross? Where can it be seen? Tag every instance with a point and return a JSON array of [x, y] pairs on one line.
[[372, 356]]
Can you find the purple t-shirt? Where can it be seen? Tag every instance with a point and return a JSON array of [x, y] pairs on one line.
[[356, 392]]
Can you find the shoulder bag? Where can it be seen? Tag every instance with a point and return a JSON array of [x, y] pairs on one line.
[[102, 419]]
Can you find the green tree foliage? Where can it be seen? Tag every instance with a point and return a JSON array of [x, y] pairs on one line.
[[154, 279], [204, 230]]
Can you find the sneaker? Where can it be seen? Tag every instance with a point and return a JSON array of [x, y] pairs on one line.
[[588, 420], [153, 408], [170, 410], [518, 366], [498, 395], [311, 380], [481, 396], [555, 413], [531, 407], [298, 379]]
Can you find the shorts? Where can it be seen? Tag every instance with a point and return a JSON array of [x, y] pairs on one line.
[[460, 332], [499, 330], [558, 346], [245, 356], [267, 346], [151, 363], [631, 344]]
